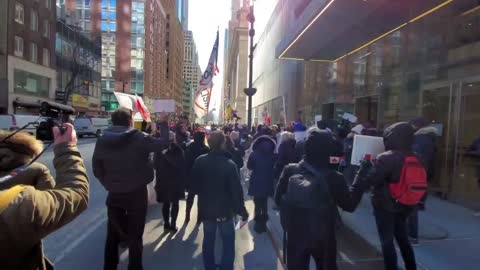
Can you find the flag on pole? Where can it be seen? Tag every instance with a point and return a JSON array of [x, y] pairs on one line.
[[203, 95]]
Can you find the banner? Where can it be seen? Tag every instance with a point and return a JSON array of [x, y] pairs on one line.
[[133, 103], [164, 105], [203, 95], [79, 101]]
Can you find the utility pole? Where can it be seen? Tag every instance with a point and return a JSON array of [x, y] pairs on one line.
[[250, 91]]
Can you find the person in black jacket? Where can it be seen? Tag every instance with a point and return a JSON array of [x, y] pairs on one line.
[[121, 163], [194, 150], [220, 199], [261, 163], [286, 153], [170, 166], [303, 240], [391, 217], [233, 152]]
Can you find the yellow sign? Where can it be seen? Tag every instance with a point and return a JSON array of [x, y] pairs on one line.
[[79, 101]]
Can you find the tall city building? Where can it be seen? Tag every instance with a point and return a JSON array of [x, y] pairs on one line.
[[182, 10], [132, 34], [27, 55], [191, 71], [79, 57], [236, 68], [174, 86]]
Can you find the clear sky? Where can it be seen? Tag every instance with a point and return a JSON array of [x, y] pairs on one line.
[[206, 16]]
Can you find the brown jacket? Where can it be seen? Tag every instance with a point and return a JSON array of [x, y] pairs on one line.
[[39, 210]]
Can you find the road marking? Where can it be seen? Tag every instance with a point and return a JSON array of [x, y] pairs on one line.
[[81, 238]]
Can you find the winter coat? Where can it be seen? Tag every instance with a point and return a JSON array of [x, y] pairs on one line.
[[296, 221], [194, 150], [121, 158], [286, 155], [236, 156], [261, 162], [217, 183], [424, 146], [398, 139], [171, 174], [40, 206]]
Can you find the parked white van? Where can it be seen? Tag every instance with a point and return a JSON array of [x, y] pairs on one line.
[[12, 122], [85, 126]]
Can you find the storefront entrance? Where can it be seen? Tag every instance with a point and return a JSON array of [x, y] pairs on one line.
[[454, 107]]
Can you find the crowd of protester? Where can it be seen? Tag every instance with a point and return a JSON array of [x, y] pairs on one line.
[[305, 170]]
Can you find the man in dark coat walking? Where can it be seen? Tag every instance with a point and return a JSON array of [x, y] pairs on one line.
[[261, 162], [121, 164], [305, 238], [220, 199]]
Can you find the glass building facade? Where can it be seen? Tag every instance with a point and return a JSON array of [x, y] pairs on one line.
[[429, 67]]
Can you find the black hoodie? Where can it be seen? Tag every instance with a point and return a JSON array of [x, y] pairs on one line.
[[398, 139], [121, 159]]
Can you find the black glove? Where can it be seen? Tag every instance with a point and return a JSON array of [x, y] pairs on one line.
[[366, 167]]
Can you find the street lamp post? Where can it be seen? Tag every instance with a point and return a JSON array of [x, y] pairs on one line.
[[250, 91]]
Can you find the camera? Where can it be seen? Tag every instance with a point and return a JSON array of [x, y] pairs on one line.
[[54, 114]]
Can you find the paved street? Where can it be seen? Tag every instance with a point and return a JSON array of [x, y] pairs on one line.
[[80, 244]]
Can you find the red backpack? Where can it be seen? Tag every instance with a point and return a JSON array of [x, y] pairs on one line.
[[412, 186]]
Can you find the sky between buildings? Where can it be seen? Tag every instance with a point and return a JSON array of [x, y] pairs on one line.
[[205, 17]]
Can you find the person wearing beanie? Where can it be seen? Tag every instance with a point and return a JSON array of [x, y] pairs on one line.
[[311, 231], [33, 204]]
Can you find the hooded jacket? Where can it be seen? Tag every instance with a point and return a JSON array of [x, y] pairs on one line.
[[42, 206], [319, 146], [398, 139], [171, 174], [121, 158], [286, 155], [261, 162]]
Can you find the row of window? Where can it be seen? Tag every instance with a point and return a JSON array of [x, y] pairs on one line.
[[19, 51], [20, 18]]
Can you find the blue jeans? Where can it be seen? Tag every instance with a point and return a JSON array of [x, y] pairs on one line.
[[227, 232]]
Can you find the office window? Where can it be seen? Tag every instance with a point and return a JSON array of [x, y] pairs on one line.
[[46, 57], [30, 84], [18, 46], [33, 53], [34, 21], [19, 13], [46, 28], [48, 4]]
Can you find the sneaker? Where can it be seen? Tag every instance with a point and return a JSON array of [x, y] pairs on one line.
[[167, 227]]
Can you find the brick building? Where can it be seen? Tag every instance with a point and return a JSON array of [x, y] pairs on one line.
[[27, 49]]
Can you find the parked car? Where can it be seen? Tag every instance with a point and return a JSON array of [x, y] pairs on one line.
[[89, 126], [12, 122]]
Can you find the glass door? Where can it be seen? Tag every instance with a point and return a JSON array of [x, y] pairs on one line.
[[454, 108], [465, 186], [438, 105]]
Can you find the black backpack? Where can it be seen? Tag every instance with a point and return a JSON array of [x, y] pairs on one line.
[[308, 193]]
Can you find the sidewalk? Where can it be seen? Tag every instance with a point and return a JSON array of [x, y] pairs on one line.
[[449, 234]]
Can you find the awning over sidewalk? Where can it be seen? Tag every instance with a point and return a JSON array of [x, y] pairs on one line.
[[331, 29]]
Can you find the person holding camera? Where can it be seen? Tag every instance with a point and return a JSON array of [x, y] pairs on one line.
[[121, 162], [32, 203]]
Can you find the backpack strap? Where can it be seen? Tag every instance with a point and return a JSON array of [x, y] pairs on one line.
[[7, 196]]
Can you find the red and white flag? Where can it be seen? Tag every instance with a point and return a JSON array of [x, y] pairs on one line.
[[133, 103], [204, 93]]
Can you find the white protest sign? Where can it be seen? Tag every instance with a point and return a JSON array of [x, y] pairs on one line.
[[366, 145], [164, 105], [318, 118], [350, 117]]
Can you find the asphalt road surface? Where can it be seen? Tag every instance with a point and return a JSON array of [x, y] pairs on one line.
[[80, 244]]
